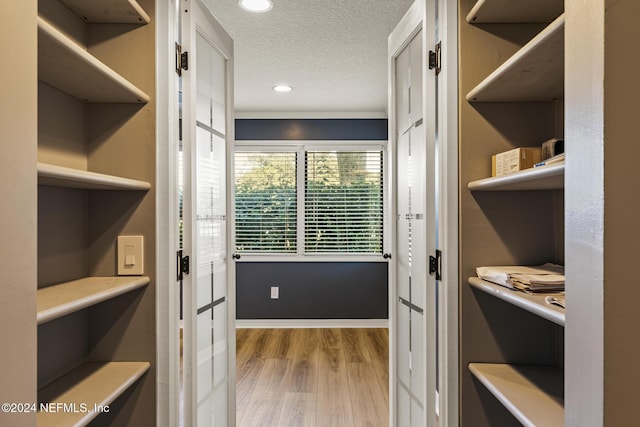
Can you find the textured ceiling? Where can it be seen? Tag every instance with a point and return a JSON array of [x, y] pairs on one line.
[[333, 53]]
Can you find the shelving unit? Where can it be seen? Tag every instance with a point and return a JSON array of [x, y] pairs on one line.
[[65, 298], [509, 11], [535, 73], [109, 11], [530, 302], [533, 394], [549, 177], [59, 176], [91, 383], [61, 61], [515, 219], [93, 346]]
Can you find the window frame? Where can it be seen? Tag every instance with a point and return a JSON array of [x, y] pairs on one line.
[[301, 147]]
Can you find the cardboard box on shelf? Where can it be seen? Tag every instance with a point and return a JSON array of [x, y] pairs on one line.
[[514, 160]]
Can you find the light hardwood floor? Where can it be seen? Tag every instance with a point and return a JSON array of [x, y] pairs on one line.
[[312, 377]]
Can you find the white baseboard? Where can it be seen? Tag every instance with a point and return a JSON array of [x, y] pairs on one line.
[[312, 323]]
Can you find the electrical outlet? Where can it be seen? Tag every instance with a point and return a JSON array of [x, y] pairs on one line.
[[275, 292]]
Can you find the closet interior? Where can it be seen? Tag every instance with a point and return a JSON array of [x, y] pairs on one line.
[[96, 173], [511, 95]]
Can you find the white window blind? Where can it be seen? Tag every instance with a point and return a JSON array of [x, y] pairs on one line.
[[266, 202], [343, 202]]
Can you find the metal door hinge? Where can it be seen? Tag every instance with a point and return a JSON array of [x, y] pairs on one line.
[[435, 264], [183, 264], [182, 59], [435, 58]]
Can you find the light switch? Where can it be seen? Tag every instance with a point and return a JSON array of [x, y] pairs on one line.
[[129, 256], [130, 259]]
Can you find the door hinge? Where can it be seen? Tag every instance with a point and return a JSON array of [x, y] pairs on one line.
[[183, 264], [435, 264], [435, 58], [182, 59]]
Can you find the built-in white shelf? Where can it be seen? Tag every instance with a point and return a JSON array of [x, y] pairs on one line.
[[533, 303], [535, 73], [90, 384], [515, 11], [109, 11], [548, 177], [65, 65], [533, 394], [59, 176], [59, 300]]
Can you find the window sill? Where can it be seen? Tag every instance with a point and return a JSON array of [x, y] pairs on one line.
[[312, 258]]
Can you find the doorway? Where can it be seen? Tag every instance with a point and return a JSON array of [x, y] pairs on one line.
[[168, 369]]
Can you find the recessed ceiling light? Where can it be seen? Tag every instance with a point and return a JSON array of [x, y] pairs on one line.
[[257, 6], [282, 88]]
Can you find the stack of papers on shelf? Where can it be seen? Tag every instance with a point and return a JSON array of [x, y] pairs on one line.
[[544, 278], [555, 159]]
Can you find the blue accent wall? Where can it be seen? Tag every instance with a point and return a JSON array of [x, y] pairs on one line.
[[312, 290], [311, 129]]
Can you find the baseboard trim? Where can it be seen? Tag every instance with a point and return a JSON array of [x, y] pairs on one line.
[[311, 323]]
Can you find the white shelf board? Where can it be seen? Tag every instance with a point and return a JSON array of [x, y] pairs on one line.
[[91, 384], [65, 298], [533, 74], [59, 176], [532, 303], [108, 11], [65, 65], [548, 177], [533, 394], [515, 11]]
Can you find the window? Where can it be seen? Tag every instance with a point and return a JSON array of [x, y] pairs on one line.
[[302, 201], [343, 202], [266, 202]]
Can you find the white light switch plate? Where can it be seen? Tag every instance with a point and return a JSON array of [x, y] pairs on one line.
[[130, 258]]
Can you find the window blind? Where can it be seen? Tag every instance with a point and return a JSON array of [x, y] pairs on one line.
[[266, 202], [343, 202]]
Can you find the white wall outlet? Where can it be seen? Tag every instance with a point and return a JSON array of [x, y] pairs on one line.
[[130, 258], [275, 292]]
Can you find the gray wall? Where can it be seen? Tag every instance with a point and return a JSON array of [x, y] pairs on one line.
[[312, 290]]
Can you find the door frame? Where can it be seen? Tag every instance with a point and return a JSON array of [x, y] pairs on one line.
[[167, 286], [448, 228], [167, 289]]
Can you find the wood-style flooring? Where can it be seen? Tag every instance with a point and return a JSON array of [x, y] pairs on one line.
[[312, 377]]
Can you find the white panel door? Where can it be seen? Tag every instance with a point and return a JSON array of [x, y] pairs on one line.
[[414, 168], [416, 59], [418, 374], [418, 217], [403, 237], [403, 95], [207, 97], [403, 352], [427, 169]]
